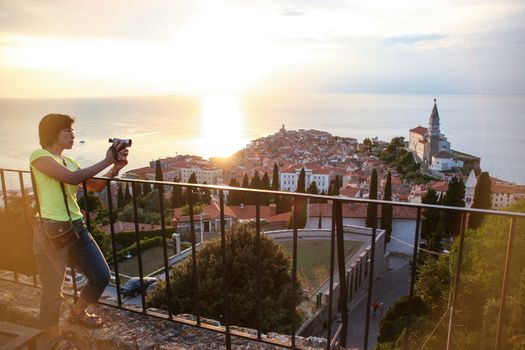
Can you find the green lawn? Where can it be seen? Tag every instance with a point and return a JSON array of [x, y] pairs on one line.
[[313, 260], [152, 259]]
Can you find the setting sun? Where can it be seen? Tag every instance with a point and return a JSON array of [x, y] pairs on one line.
[[221, 126]]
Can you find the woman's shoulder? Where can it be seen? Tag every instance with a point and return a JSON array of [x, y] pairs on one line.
[[38, 154]]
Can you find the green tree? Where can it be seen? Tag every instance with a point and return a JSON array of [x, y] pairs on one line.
[[158, 171], [312, 189], [206, 194], [371, 209], [455, 197], [275, 178], [190, 191], [386, 209], [127, 195], [301, 182], [146, 188], [274, 295], [120, 197], [94, 204], [177, 200], [482, 199], [265, 185], [16, 235], [429, 224], [276, 186], [234, 197], [245, 184]]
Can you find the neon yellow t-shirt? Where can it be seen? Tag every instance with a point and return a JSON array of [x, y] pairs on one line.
[[50, 194]]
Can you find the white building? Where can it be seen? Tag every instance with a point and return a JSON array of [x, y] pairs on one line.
[[470, 187], [290, 176], [444, 161], [429, 142]]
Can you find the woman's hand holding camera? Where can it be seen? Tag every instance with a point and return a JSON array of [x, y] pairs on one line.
[[117, 154]]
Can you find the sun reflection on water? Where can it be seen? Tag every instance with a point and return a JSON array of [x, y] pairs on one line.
[[222, 126]]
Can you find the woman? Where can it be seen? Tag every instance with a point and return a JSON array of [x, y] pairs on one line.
[[50, 168]]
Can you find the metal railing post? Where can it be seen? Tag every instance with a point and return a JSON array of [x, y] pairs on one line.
[[505, 282], [343, 304], [370, 277], [137, 240], [412, 276], [113, 241], [164, 250], [464, 223], [225, 275], [195, 279], [331, 283]]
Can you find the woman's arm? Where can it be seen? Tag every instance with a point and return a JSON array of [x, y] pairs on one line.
[[50, 167], [98, 185]]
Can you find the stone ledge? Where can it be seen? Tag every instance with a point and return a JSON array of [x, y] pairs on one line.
[[128, 330]]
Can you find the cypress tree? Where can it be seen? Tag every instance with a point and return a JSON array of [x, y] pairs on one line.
[[455, 198], [312, 189], [158, 171], [127, 195], [206, 199], [146, 189], [431, 217], [176, 195], [265, 185], [234, 197], [265, 182], [275, 178], [120, 197], [371, 209], [245, 196], [301, 182], [386, 209], [190, 190], [482, 199]]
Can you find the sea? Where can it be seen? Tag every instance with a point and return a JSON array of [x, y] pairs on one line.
[[488, 126]]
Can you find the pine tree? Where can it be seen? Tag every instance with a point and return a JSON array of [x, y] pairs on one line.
[[337, 185], [482, 199], [386, 209], [312, 189], [371, 209], [301, 182]]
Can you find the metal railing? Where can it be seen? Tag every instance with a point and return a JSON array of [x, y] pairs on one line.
[[337, 338]]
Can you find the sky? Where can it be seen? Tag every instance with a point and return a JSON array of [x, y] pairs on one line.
[[65, 48]]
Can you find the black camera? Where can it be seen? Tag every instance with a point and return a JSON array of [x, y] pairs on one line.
[[127, 142]]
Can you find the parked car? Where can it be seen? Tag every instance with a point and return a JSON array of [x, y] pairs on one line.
[[132, 286], [80, 279]]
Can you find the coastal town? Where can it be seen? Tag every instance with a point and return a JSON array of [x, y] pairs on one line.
[[324, 157]]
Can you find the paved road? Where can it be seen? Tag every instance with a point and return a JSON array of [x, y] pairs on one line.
[[390, 286]]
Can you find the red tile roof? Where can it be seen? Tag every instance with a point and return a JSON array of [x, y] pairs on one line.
[[358, 210], [419, 130]]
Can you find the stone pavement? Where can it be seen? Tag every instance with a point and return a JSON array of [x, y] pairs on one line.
[[388, 288]]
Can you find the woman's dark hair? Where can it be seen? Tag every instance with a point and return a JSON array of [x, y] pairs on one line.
[[51, 125]]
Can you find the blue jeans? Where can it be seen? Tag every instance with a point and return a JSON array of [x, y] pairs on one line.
[[51, 263]]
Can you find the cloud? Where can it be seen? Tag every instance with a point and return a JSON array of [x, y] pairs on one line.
[[292, 13], [413, 39]]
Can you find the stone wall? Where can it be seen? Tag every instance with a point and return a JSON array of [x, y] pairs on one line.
[[129, 330]]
